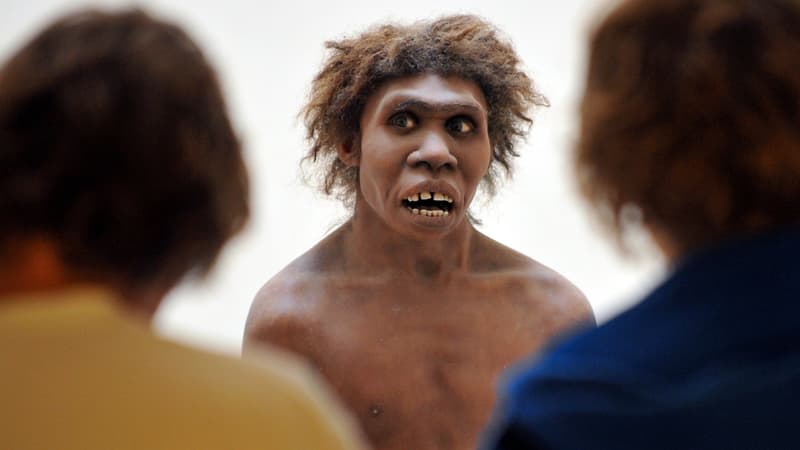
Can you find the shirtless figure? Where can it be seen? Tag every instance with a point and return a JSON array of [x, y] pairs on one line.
[[406, 309]]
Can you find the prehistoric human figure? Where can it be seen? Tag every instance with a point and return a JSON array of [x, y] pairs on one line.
[[407, 309]]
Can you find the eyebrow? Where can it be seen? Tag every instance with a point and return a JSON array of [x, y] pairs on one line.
[[448, 107]]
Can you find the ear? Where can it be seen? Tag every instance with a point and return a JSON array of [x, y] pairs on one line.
[[350, 152]]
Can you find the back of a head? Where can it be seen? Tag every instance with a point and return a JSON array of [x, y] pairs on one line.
[[115, 143], [692, 114]]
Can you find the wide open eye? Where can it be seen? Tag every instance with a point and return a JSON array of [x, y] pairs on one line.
[[460, 125], [403, 120]]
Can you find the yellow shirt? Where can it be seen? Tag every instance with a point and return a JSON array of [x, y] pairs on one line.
[[77, 373]]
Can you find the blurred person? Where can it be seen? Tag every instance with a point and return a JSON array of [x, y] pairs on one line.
[[120, 175], [690, 116], [407, 310]]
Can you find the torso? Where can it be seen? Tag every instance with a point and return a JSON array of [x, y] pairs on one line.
[[416, 358]]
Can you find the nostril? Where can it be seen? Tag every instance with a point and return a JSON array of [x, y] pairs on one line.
[[448, 165], [446, 162], [424, 164]]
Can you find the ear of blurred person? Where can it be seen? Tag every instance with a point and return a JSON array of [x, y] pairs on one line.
[[690, 118], [120, 176]]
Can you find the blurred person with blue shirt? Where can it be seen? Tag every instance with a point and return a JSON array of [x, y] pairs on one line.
[[691, 118]]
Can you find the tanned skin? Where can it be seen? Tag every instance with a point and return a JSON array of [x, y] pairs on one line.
[[412, 317]]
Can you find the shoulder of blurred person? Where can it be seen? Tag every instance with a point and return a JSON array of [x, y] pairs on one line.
[[80, 373], [707, 360]]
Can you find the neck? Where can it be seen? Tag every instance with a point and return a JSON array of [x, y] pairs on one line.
[[373, 247], [30, 264], [33, 265]]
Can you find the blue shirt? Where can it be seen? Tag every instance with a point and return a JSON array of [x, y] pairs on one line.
[[709, 360]]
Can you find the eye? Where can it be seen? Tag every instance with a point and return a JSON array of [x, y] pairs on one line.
[[460, 125], [403, 120]]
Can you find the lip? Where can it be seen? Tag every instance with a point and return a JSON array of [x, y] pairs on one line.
[[433, 186]]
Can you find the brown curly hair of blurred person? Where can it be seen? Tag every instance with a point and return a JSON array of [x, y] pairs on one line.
[[692, 114], [115, 143], [461, 46]]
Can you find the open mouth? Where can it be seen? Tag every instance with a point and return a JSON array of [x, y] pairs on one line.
[[432, 204]]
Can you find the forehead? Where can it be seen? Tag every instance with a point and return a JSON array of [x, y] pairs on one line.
[[429, 89]]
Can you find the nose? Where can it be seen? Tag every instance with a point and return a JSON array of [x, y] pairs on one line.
[[434, 153]]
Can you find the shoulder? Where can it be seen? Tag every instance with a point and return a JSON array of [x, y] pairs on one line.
[[271, 388], [288, 306], [535, 283], [319, 264], [316, 408], [559, 293], [291, 291], [283, 309], [545, 399]]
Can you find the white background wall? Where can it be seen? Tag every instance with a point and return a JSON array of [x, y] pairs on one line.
[[267, 53]]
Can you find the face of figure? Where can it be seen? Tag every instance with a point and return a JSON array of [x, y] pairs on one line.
[[424, 147]]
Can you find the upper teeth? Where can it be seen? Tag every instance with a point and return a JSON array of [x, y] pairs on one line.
[[438, 196]]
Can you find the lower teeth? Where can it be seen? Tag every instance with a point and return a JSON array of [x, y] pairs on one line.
[[428, 212]]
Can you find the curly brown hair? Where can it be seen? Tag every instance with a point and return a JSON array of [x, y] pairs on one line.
[[115, 142], [692, 114], [463, 46]]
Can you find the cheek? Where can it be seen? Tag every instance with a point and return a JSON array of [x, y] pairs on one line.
[[478, 163], [385, 153], [378, 165]]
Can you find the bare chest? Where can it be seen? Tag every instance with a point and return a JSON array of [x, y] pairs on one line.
[[418, 366]]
